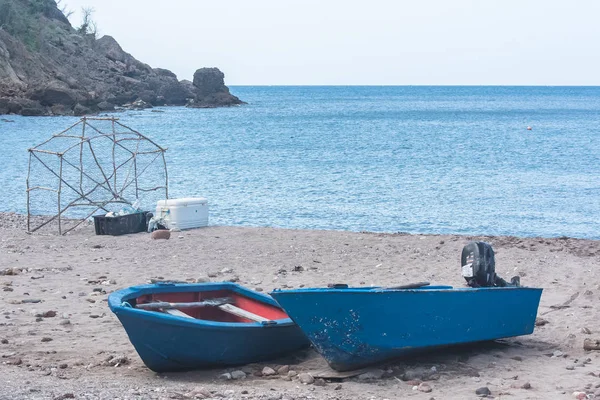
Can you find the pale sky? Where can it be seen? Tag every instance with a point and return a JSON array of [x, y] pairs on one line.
[[374, 42]]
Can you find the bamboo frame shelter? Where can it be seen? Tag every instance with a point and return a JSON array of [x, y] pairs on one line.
[[96, 164]]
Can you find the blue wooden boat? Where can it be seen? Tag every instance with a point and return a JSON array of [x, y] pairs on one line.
[[355, 327], [176, 327]]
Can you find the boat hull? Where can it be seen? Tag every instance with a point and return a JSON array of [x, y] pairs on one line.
[[352, 328], [171, 343]]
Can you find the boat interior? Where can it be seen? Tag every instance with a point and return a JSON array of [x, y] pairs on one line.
[[217, 305]]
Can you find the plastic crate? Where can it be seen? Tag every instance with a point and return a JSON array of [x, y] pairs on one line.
[[123, 224]]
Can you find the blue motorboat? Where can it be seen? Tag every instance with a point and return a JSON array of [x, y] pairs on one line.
[[179, 326], [354, 327]]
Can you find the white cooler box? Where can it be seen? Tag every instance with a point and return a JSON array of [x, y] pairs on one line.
[[183, 213]]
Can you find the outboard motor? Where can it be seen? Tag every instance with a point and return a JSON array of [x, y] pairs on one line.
[[479, 267]]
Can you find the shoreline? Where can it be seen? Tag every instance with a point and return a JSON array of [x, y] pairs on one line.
[[20, 221], [44, 357]]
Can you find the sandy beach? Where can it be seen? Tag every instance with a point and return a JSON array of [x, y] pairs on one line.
[[59, 340]]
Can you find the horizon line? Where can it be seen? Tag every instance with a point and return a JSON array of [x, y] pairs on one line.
[[412, 85]]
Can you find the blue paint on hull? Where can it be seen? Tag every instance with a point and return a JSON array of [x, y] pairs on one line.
[[355, 327], [170, 343]]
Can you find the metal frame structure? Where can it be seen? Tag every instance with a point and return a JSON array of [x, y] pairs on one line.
[[111, 188]]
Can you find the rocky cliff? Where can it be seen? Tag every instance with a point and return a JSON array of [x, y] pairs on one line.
[[47, 67]]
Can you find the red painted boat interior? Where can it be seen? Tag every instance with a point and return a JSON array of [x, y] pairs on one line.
[[212, 313]]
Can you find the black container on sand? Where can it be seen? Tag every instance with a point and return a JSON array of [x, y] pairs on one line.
[[122, 224]]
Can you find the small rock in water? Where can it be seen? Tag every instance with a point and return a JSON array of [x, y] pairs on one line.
[[306, 379], [570, 367], [320, 382], [46, 339], [483, 391], [49, 314], [557, 353], [4, 341], [268, 371], [292, 373], [526, 386], [586, 331], [161, 234]]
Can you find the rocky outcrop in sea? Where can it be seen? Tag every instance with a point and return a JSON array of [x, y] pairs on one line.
[[47, 67]]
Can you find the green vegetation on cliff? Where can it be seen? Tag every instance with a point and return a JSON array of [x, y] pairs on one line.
[[21, 19]]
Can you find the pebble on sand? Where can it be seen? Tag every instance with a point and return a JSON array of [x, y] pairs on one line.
[[161, 234], [306, 378], [591, 344], [65, 396], [268, 371], [238, 374], [373, 374], [49, 314], [483, 391], [424, 387], [226, 376], [283, 370], [116, 360], [199, 393], [540, 321]]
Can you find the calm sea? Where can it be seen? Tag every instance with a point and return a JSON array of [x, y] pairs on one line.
[[386, 159]]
